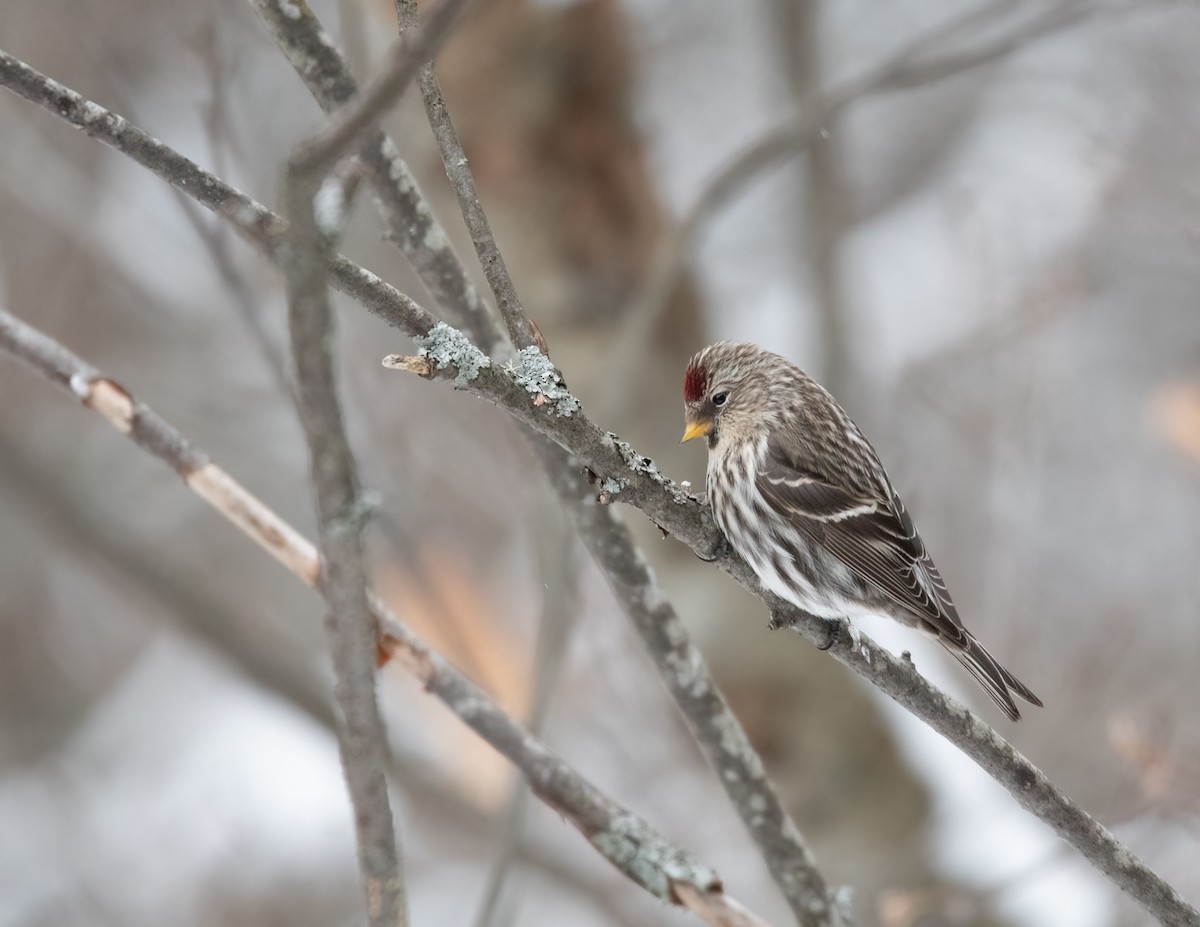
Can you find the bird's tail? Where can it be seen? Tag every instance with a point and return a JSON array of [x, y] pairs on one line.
[[998, 682]]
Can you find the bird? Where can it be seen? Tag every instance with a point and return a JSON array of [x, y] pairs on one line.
[[801, 495]]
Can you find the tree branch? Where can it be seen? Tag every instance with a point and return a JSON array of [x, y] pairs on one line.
[[912, 66], [631, 845], [458, 172], [341, 514], [719, 734], [410, 222], [716, 729], [557, 555], [636, 479], [317, 206], [713, 725], [638, 482], [357, 118]]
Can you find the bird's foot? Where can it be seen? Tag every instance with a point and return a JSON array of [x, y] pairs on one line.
[[833, 630], [720, 549]]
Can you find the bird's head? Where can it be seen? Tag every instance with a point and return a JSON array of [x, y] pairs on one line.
[[727, 392]]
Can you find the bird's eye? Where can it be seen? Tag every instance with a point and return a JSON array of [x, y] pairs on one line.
[[718, 399]]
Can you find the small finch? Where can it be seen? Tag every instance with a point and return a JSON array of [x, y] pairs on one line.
[[801, 495]]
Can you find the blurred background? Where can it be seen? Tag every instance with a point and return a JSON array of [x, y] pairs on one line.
[[992, 261]]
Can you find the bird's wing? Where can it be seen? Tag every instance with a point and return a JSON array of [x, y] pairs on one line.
[[872, 535]]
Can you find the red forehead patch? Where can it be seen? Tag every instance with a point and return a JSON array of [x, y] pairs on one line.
[[695, 381]]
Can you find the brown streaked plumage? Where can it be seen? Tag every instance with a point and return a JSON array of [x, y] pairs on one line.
[[802, 497]]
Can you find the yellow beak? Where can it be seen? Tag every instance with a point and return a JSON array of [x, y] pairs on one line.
[[695, 430]]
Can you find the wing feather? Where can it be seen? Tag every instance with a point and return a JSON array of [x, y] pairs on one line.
[[874, 537]]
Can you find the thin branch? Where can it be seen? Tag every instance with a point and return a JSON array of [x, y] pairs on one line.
[[560, 607], [454, 159], [821, 227], [631, 845], [524, 394], [635, 479], [714, 726], [1053, 18], [341, 512], [715, 908], [410, 222], [257, 224], [195, 612], [721, 737], [912, 66], [349, 123]]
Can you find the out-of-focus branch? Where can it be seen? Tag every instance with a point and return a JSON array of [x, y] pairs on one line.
[[716, 729], [821, 226], [913, 65], [681, 665], [454, 159], [635, 479], [560, 607], [410, 222], [317, 205], [536, 398], [630, 844], [193, 612], [1051, 18]]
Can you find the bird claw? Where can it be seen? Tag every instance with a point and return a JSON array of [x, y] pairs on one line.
[[833, 630], [720, 550]]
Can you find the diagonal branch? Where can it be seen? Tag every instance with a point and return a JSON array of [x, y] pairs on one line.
[[712, 723], [348, 124], [631, 845], [317, 205], [635, 479], [409, 221], [717, 731], [917, 63], [523, 394], [461, 178]]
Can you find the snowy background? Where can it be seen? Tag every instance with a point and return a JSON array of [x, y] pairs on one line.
[[1009, 257]]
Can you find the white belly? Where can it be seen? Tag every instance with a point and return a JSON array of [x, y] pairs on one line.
[[790, 578]]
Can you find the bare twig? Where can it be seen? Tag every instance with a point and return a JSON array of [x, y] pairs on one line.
[[348, 124], [317, 207], [1050, 19], [454, 159], [625, 840], [635, 479], [912, 66], [711, 908], [257, 224], [716, 729], [410, 222], [198, 614], [560, 607], [820, 227], [640, 484]]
